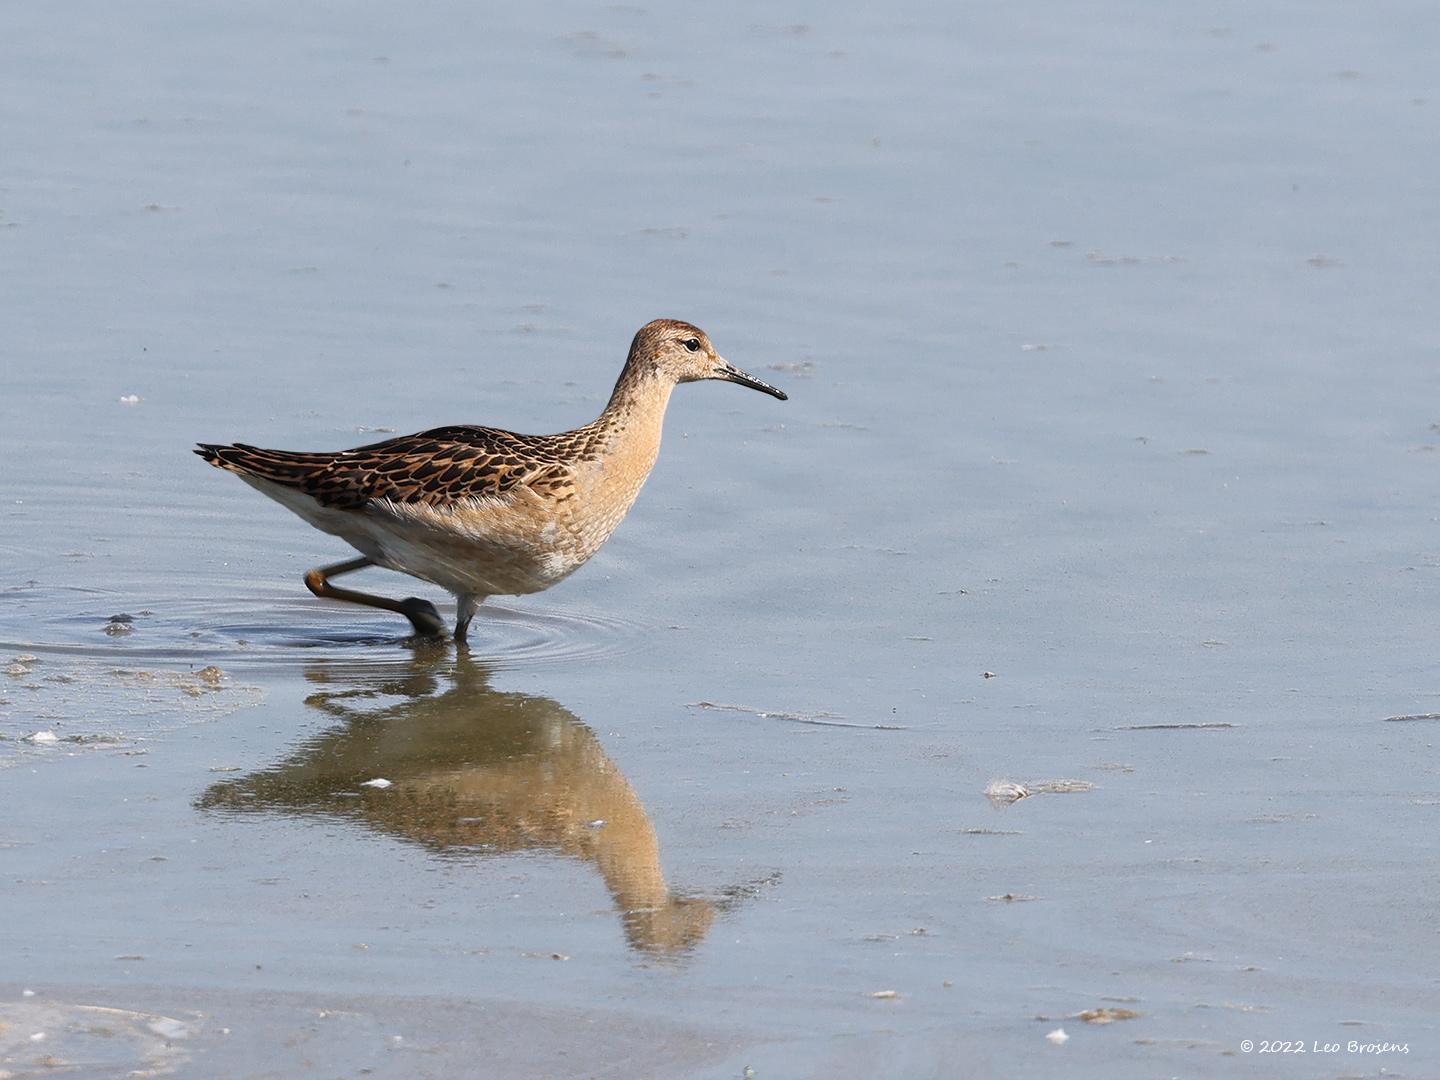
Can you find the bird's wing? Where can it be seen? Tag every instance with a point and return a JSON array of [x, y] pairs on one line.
[[436, 467]]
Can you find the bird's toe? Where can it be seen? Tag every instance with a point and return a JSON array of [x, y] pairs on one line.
[[423, 617]]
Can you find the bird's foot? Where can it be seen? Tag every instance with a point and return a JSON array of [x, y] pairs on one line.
[[423, 617]]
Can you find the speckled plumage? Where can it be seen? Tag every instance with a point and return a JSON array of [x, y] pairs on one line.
[[438, 467], [483, 512]]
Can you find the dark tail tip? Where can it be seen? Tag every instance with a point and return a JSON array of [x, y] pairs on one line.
[[211, 453]]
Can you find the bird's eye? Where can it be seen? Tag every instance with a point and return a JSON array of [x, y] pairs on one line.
[[693, 344]]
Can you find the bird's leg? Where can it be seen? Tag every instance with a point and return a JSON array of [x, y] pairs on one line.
[[466, 604], [421, 613]]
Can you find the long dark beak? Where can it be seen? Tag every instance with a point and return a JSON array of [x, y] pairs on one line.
[[730, 373]]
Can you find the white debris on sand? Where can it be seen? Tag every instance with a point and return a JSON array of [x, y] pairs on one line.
[[44, 738], [1005, 792], [1058, 1037], [379, 782], [130, 399]]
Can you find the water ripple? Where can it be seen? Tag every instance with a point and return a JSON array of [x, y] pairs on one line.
[[265, 631]]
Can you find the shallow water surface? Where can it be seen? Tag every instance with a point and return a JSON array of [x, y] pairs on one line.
[[1106, 487]]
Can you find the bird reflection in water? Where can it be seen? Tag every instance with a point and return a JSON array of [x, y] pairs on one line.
[[479, 771]]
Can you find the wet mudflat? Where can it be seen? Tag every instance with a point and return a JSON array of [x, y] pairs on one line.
[[1060, 657]]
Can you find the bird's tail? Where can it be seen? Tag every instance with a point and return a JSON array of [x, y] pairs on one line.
[[288, 467]]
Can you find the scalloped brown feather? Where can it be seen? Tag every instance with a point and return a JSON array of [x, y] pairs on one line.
[[438, 467]]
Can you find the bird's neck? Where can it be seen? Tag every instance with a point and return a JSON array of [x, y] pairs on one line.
[[636, 410], [628, 431]]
